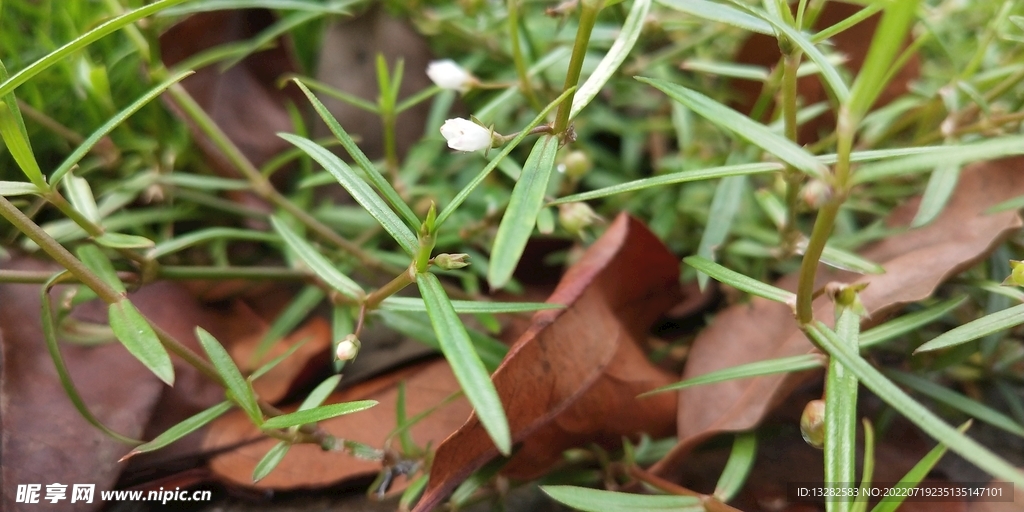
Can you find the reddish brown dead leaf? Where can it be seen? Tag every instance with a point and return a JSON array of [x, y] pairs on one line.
[[916, 261], [427, 385], [44, 439], [763, 50], [573, 376], [244, 100]]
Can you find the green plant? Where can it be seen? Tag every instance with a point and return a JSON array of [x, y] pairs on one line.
[[426, 211]]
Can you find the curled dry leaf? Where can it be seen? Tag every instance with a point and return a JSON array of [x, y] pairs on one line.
[[572, 378], [916, 262], [426, 386]]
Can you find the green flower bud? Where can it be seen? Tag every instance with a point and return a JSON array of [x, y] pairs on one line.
[[575, 217], [812, 423], [577, 164], [451, 261], [1016, 276]]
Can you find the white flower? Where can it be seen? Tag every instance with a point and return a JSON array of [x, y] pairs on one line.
[[348, 348], [449, 75], [463, 135]]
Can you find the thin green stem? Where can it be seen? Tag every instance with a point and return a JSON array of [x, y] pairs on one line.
[[517, 55], [394, 286], [588, 17], [794, 179]]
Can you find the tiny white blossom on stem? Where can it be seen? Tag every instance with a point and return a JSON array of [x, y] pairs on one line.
[[348, 348], [446, 74], [465, 135]]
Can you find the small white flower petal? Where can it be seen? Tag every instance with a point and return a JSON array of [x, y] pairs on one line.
[[449, 75], [464, 135], [348, 348]]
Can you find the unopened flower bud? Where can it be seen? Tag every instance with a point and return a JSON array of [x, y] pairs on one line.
[[465, 135], [348, 348], [446, 74], [451, 261], [1016, 276], [812, 423], [576, 164], [575, 217]]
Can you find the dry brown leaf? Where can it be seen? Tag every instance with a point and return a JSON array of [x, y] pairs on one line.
[[916, 262], [44, 439], [573, 376], [763, 50], [427, 385]]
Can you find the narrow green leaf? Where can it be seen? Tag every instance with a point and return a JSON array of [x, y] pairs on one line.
[[96, 136], [331, 7], [413, 492], [467, 306], [50, 336], [940, 188], [376, 178], [82, 41], [908, 323], [752, 131], [270, 461], [241, 389], [740, 281], [844, 260], [123, 241], [321, 266], [860, 503], [595, 500], [771, 206], [741, 461], [676, 177], [1010, 204], [359, 190], [80, 196], [828, 71], [725, 204], [464, 193], [988, 324], [989, 149], [918, 414], [100, 265], [299, 308], [727, 69], [962, 403], [417, 327], [180, 430], [324, 412], [12, 131], [720, 13], [885, 47], [770, 367], [614, 58], [320, 393], [17, 188], [840, 449], [199, 236], [209, 183], [914, 477], [269, 365], [135, 333], [521, 215], [465, 363], [846, 23]]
